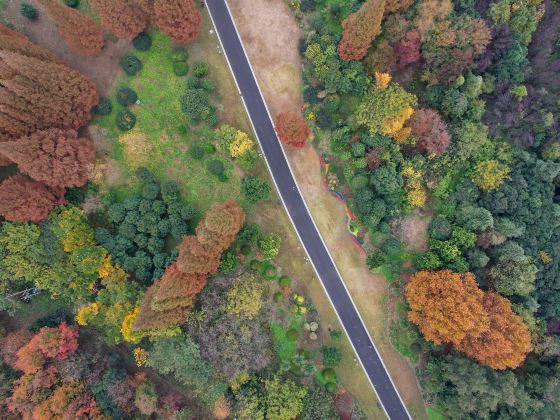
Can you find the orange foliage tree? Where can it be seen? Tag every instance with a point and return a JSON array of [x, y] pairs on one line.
[[506, 343], [446, 306], [449, 307], [36, 94], [180, 19], [292, 129], [56, 157], [122, 18], [22, 200], [169, 300], [392, 6], [81, 33], [15, 42], [360, 29]]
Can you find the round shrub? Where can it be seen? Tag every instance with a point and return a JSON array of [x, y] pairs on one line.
[[278, 297], [125, 120], [245, 249], [180, 68], [144, 174], [29, 11], [72, 3], [212, 120], [142, 42], [208, 85], [131, 64], [329, 375], [216, 167], [208, 147], [440, 229], [200, 70], [195, 104], [268, 271], [150, 191], [292, 334], [104, 107], [193, 82], [182, 129], [255, 265], [284, 281], [331, 387], [376, 259], [126, 96], [196, 151], [179, 56]]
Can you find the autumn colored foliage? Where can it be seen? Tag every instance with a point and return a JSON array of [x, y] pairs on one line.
[[360, 29], [169, 300], [122, 18], [407, 51], [36, 94], [392, 6], [27, 201], [15, 42], [180, 19], [430, 131], [81, 33], [449, 307], [56, 157], [292, 129]]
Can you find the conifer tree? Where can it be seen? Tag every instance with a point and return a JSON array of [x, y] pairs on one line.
[[122, 18], [54, 156], [81, 33]]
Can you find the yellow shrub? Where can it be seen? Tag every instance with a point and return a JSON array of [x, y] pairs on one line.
[[545, 257], [86, 313], [394, 126], [140, 356], [382, 79], [126, 329], [137, 147], [490, 174], [416, 197], [240, 145]]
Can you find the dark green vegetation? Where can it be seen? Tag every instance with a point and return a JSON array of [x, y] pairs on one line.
[[453, 111]]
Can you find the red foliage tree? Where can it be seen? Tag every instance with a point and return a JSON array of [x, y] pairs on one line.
[[220, 225], [57, 343], [36, 94], [56, 157], [392, 6], [196, 258], [29, 358], [180, 19], [430, 131], [80, 32], [360, 29], [27, 201], [292, 129], [372, 159], [147, 7], [176, 288], [15, 42], [122, 18], [408, 49]]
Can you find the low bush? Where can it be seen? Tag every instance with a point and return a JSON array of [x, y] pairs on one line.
[[200, 70], [196, 151], [292, 334], [180, 69], [179, 56], [255, 265], [216, 167], [131, 64], [245, 249], [29, 11], [331, 387], [208, 85], [125, 120], [104, 107], [142, 42], [72, 3], [126, 96], [329, 375], [278, 297], [284, 281]]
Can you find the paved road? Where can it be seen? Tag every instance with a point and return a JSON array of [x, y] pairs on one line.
[[300, 215]]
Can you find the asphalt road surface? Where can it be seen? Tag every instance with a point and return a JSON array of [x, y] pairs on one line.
[[300, 215]]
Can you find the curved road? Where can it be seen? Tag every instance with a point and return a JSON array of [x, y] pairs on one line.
[[299, 213]]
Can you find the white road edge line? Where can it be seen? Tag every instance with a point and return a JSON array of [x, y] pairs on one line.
[[308, 211]]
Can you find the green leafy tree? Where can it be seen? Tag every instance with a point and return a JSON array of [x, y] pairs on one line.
[[255, 189], [283, 399], [270, 245]]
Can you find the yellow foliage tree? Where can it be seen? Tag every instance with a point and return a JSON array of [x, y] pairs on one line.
[[382, 80], [245, 296], [126, 329], [140, 356], [240, 145], [86, 313], [490, 174], [137, 147]]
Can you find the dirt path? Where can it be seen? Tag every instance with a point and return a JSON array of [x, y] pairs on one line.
[[102, 69], [271, 34]]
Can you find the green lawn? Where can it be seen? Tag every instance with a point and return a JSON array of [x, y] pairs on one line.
[[169, 132]]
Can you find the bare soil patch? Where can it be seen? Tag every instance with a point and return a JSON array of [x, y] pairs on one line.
[[102, 69], [413, 231]]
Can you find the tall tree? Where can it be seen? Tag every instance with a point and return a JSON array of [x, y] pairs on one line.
[[177, 289], [54, 156], [36, 94], [27, 201], [407, 51], [446, 306], [507, 341], [196, 258], [430, 131], [220, 225], [180, 19], [81, 33], [360, 29], [122, 18], [16, 42], [292, 129]]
